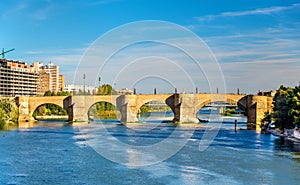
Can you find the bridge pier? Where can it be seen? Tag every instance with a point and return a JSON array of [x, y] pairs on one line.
[[78, 109], [188, 109], [183, 107], [24, 111], [255, 108], [127, 106], [174, 103]]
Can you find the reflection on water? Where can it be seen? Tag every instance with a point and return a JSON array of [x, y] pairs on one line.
[[58, 153], [156, 117]]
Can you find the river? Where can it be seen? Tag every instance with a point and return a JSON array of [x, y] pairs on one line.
[[58, 153]]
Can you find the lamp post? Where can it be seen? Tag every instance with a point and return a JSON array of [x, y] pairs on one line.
[[99, 80]]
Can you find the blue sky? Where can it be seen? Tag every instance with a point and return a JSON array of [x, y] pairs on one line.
[[255, 42]]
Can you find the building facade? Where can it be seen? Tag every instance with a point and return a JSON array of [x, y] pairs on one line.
[[49, 78], [43, 83], [61, 83], [17, 78]]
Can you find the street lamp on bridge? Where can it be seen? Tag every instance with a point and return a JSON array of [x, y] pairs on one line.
[[83, 84]]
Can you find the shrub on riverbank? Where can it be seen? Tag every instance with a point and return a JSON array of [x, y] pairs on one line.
[[9, 113], [229, 112]]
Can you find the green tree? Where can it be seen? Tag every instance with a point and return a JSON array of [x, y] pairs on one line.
[[267, 119], [105, 89], [60, 93], [9, 113], [49, 110], [281, 109], [144, 108], [48, 93], [63, 93], [229, 112], [294, 103], [104, 110]]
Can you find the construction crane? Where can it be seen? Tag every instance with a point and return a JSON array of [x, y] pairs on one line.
[[3, 52]]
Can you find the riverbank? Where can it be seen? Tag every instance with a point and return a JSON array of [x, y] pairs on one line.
[[290, 134], [54, 117]]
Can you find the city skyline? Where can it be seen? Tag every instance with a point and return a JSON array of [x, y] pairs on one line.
[[255, 43]]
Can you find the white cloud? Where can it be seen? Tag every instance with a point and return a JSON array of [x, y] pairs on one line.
[[262, 43], [66, 59], [260, 59], [27, 9], [261, 75], [258, 11]]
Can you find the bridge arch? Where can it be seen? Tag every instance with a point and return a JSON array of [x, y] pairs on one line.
[[27, 105], [143, 99], [140, 104], [210, 100], [50, 109], [81, 105], [242, 103], [94, 109], [156, 110]]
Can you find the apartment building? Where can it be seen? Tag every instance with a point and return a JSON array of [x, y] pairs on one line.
[[43, 83], [49, 78], [17, 78], [61, 83]]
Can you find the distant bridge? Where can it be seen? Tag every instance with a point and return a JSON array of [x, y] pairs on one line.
[[184, 106]]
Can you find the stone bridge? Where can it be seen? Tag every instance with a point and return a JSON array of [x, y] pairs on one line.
[[184, 106]]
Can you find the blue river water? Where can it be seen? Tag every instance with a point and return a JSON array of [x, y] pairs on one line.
[[58, 153]]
